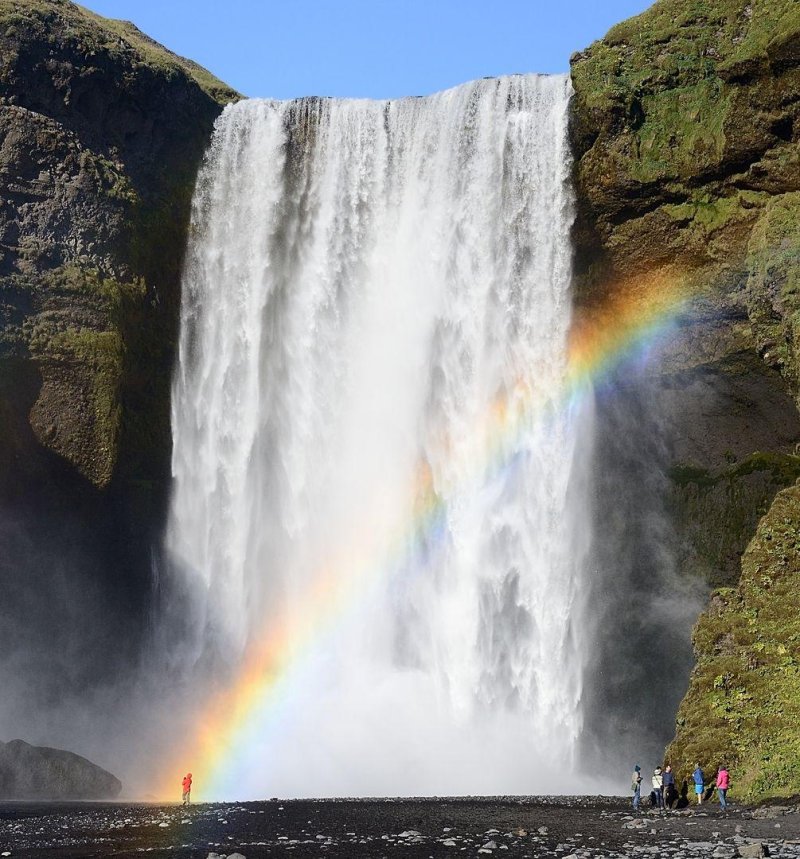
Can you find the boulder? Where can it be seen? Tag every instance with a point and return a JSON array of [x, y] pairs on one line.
[[37, 772], [751, 851]]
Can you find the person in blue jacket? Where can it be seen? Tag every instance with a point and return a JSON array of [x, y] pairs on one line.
[[699, 783]]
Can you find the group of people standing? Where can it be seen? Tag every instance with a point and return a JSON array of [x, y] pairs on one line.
[[665, 793]]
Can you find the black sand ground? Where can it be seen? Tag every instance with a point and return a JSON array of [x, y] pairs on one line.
[[355, 829]]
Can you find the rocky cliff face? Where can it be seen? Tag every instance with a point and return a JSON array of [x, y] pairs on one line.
[[686, 129], [101, 134]]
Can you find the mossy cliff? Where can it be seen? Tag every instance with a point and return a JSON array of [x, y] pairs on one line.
[[743, 703], [101, 133], [686, 125]]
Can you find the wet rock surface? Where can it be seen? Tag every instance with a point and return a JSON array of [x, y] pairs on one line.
[[503, 826]]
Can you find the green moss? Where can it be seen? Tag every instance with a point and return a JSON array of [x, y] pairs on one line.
[[109, 177], [773, 288], [680, 127], [783, 468], [683, 475], [81, 343], [674, 42], [743, 702], [658, 87], [717, 511]]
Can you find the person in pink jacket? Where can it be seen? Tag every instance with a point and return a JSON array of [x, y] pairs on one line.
[[723, 782]]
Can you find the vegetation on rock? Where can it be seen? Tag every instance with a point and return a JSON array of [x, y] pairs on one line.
[[773, 287], [743, 703], [686, 126], [102, 133]]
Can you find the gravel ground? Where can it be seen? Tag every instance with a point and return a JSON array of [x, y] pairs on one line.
[[579, 827]]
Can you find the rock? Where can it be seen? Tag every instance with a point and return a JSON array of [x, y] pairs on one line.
[[754, 850], [409, 833], [449, 842], [235, 856], [101, 134], [490, 845], [33, 772], [542, 830], [645, 191], [769, 812]]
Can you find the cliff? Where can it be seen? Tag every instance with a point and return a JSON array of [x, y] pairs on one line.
[[743, 702], [686, 127], [101, 134]]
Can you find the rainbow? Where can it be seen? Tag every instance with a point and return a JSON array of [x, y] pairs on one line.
[[636, 315]]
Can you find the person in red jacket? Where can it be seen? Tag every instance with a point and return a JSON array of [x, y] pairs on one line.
[[187, 788]]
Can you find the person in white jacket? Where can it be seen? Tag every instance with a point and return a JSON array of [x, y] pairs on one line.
[[658, 787]]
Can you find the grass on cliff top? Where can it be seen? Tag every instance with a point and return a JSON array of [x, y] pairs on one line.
[[679, 43], [736, 29], [727, 32], [743, 703], [115, 37]]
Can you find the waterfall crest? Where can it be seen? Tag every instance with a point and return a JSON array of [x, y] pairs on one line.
[[372, 449]]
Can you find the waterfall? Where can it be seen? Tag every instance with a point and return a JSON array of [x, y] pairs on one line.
[[373, 452]]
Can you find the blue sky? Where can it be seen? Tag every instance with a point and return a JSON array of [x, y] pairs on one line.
[[370, 48]]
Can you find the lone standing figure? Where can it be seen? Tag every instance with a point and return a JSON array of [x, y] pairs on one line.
[[187, 788]]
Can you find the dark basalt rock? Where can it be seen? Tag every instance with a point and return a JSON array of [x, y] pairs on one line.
[[37, 772]]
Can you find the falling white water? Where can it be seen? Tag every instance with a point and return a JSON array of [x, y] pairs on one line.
[[369, 288]]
